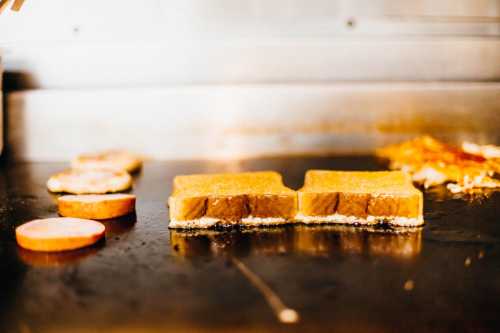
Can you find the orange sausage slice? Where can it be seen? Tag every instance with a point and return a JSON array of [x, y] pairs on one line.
[[111, 159], [90, 181], [58, 234], [96, 206]]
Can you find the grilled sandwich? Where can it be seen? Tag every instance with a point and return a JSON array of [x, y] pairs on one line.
[[360, 197], [248, 198]]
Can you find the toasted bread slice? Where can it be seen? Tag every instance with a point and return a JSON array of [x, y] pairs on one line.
[[249, 198], [58, 234], [111, 159], [366, 197], [96, 206], [90, 181]]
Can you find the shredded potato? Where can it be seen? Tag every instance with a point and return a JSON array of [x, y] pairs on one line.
[[431, 162]]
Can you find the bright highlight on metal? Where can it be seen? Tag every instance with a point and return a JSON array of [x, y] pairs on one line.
[[283, 313]]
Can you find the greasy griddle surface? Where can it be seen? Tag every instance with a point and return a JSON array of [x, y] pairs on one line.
[[145, 279]]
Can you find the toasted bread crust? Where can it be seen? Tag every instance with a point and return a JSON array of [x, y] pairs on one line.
[[90, 181], [360, 197], [347, 197], [232, 198], [58, 234], [96, 207]]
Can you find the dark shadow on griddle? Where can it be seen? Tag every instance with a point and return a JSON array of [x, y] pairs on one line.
[[55, 259], [119, 225], [15, 209]]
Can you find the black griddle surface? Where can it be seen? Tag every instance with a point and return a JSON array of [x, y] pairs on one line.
[[144, 278]]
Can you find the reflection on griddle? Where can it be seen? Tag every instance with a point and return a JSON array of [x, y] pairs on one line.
[[472, 196], [52, 259], [119, 225], [321, 240]]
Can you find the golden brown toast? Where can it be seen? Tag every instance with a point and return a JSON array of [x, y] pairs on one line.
[[367, 197], [251, 198]]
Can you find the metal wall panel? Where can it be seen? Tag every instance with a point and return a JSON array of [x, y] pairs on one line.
[[225, 41], [273, 61], [96, 20], [224, 78], [219, 122]]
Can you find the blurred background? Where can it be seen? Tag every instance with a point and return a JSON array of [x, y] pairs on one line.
[[222, 79]]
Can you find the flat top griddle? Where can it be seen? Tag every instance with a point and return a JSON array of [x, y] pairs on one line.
[[144, 278]]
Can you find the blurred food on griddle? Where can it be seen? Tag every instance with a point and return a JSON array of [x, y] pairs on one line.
[[467, 168]]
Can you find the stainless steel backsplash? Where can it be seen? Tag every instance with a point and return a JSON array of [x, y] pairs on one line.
[[226, 79]]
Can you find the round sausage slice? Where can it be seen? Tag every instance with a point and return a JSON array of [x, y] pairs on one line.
[[111, 159], [90, 181], [96, 206], [58, 234]]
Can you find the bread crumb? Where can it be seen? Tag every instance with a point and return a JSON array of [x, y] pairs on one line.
[[467, 262], [409, 285], [288, 316]]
